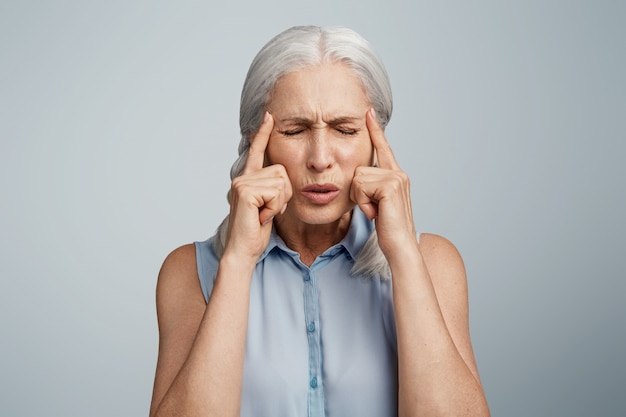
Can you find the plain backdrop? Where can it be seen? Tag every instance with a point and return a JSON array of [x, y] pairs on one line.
[[119, 123]]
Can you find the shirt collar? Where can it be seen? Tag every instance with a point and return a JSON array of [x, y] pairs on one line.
[[360, 230], [358, 233]]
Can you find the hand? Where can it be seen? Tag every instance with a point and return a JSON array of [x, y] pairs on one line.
[[256, 196], [383, 194]]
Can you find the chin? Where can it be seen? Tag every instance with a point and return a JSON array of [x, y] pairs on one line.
[[322, 214]]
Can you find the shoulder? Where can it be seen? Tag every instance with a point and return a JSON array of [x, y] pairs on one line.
[[180, 306], [444, 264], [179, 266], [439, 251], [178, 286]]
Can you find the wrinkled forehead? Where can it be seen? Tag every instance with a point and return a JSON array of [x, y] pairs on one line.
[[326, 88]]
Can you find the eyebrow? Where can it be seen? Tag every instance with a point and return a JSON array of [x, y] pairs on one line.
[[333, 122]]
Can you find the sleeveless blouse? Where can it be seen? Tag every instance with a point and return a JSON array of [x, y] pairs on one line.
[[320, 341]]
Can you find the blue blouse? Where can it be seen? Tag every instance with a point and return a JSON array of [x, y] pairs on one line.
[[320, 342]]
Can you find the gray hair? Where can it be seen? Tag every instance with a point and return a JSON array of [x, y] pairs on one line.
[[300, 47]]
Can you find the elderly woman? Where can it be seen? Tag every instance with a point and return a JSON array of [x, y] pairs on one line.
[[316, 296]]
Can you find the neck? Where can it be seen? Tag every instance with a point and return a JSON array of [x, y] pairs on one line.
[[311, 240]]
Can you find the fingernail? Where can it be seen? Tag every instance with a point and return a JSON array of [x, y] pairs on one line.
[[266, 116], [373, 112]]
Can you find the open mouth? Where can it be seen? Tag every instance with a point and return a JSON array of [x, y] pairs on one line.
[[320, 193], [320, 188]]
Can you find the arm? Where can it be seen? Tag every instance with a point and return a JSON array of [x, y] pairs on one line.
[[436, 366], [201, 347], [437, 369]]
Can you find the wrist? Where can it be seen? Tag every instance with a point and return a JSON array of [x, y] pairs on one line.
[[403, 250], [237, 266], [406, 261]]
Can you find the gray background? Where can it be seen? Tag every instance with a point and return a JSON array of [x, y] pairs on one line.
[[118, 124]]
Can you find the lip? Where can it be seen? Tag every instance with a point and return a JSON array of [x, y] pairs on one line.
[[320, 193]]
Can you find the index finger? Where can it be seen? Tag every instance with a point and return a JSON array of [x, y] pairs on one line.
[[256, 153], [384, 153]]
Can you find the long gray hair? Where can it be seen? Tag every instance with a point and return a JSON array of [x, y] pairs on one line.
[[294, 49]]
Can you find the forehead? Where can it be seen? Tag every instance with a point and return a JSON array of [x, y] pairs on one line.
[[326, 89]]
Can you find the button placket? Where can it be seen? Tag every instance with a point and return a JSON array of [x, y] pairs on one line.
[[311, 313]]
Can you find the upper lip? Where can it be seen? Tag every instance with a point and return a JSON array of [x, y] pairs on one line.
[[320, 188]]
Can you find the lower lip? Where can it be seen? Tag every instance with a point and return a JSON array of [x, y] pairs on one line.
[[321, 198]]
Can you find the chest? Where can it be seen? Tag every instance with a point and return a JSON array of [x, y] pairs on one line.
[[319, 343]]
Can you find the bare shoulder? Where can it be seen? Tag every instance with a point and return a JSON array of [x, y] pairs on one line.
[[180, 307], [442, 258], [178, 288], [181, 261]]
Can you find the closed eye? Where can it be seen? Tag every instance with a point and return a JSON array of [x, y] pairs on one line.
[[347, 132], [293, 132]]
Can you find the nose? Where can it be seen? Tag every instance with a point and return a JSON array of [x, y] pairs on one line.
[[320, 151]]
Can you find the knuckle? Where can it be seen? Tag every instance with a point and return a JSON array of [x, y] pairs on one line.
[[280, 170], [358, 181], [361, 172], [236, 183], [395, 185], [239, 186], [398, 181]]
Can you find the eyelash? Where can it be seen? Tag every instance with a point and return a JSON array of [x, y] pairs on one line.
[[291, 132], [346, 132]]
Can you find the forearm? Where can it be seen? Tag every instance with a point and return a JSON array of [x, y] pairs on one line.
[[434, 380], [209, 382]]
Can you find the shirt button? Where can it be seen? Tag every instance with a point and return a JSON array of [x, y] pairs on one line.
[[313, 382], [307, 276], [311, 327]]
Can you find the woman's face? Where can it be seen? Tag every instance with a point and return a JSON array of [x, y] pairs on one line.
[[320, 137]]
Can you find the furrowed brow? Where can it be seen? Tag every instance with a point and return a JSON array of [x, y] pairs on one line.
[[343, 120], [297, 120], [303, 121]]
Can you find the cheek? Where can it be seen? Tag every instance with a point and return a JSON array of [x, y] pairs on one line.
[[282, 152], [273, 152], [358, 153]]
